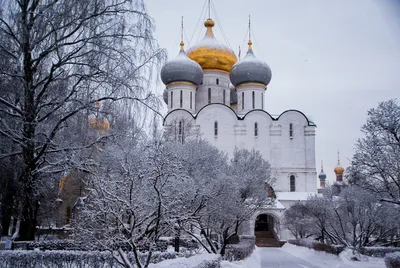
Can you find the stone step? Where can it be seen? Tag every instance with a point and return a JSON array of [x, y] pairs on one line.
[[276, 244]]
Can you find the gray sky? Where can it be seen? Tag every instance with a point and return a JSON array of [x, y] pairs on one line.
[[332, 60]]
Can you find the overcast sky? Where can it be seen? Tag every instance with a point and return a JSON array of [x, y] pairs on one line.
[[332, 60]]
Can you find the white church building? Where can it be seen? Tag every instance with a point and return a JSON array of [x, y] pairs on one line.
[[212, 94]]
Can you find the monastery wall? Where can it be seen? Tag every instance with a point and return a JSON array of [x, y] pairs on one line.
[[289, 150]]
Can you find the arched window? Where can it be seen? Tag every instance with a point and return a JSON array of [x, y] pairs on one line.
[[242, 100], [262, 101], [209, 95], [216, 128], [292, 183], [291, 130], [224, 97], [253, 98], [191, 99], [172, 99], [217, 81], [181, 99], [256, 129]]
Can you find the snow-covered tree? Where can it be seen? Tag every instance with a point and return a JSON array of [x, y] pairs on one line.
[[376, 163], [353, 217], [229, 195], [131, 200], [296, 220], [60, 57], [150, 189]]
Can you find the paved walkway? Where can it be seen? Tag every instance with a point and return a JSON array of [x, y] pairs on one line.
[[275, 258]]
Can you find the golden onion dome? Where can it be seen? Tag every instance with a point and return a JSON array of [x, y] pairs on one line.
[[97, 121], [210, 53], [339, 170]]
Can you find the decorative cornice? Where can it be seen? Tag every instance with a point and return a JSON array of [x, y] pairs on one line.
[[181, 83], [252, 84]]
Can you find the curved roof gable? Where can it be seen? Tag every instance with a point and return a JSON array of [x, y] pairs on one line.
[[194, 116]]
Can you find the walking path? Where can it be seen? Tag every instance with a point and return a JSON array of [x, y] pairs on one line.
[[276, 258]]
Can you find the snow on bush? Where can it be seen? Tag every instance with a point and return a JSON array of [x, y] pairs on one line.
[[253, 261], [56, 259], [198, 261], [392, 260], [317, 246], [80, 245], [55, 245], [236, 252], [76, 259], [379, 252]]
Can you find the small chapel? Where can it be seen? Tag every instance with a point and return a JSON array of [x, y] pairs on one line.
[[213, 95]]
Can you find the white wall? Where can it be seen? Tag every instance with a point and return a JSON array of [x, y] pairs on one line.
[[186, 89], [245, 105], [287, 155], [217, 90]]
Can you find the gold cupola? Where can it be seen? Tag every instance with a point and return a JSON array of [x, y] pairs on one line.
[[210, 53], [338, 169]]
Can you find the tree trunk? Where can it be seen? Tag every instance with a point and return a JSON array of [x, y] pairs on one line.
[[29, 219], [28, 202]]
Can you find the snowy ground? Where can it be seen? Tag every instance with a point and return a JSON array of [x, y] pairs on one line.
[[301, 257]]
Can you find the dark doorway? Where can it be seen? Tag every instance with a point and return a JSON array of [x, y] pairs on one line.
[[264, 232], [264, 223]]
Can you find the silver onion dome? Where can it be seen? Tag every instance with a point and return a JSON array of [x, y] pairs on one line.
[[322, 175], [250, 70], [182, 69]]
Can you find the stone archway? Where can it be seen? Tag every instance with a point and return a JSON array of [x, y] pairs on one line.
[[266, 229], [264, 223]]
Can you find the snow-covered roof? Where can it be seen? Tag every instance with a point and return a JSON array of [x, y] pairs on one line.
[[294, 195], [278, 205]]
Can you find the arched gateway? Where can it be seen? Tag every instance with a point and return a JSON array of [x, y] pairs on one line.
[[266, 228]]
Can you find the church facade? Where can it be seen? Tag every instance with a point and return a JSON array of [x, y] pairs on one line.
[[213, 95]]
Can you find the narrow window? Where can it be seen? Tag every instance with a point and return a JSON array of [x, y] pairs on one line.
[[191, 99], [292, 183], [209, 95], [224, 96], [68, 215], [201, 82], [217, 82], [181, 99], [291, 130], [242, 100], [215, 128], [253, 98], [256, 129], [262, 101], [180, 132], [172, 99]]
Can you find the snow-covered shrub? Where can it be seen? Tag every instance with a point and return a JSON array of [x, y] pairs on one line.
[[392, 260], [379, 252], [55, 245], [56, 259], [236, 252], [198, 261], [78, 259], [158, 256], [317, 246]]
